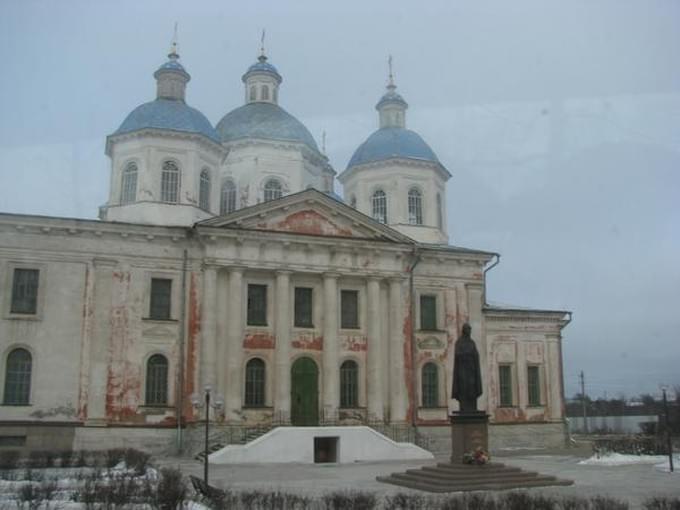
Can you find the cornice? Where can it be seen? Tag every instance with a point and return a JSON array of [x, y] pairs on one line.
[[385, 163], [202, 140]]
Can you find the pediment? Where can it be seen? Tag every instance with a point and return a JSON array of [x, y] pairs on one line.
[[309, 212]]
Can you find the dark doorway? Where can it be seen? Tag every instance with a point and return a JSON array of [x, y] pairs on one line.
[[304, 393], [326, 449]]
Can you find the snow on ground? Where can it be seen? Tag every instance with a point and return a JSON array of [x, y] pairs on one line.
[[665, 466], [619, 459]]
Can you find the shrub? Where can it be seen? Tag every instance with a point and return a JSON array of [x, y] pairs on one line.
[[403, 501], [574, 503], [662, 503], [171, 489], [605, 503], [37, 459], [29, 493], [113, 456], [137, 460], [9, 459], [350, 499]]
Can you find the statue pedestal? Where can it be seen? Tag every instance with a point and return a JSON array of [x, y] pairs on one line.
[[469, 430]]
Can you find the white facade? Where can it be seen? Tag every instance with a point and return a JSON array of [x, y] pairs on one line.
[[298, 310]]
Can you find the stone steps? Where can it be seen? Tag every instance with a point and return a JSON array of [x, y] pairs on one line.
[[461, 477]]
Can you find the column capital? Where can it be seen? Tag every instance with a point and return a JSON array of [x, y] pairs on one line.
[[283, 272], [397, 278], [331, 275], [375, 279], [235, 269]]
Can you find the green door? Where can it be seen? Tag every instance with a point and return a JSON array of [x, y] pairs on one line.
[[304, 393]]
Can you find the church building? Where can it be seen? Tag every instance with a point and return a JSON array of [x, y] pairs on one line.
[[223, 259]]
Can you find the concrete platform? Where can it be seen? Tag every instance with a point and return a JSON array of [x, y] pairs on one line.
[[311, 445]]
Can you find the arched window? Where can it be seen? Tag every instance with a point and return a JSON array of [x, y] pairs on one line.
[[255, 383], [170, 182], [265, 93], [353, 201], [440, 214], [228, 197], [415, 207], [18, 378], [157, 380], [272, 190], [128, 185], [379, 200], [430, 385], [349, 384], [253, 93], [204, 190]]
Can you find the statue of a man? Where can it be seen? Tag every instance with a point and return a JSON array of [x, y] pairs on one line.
[[467, 377]]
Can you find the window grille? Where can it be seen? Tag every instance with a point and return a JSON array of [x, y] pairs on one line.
[[272, 190], [255, 383], [428, 312], [253, 93], [534, 385], [170, 183], [380, 206], [257, 305], [303, 307], [430, 385], [128, 187], [204, 190], [157, 380], [415, 207], [18, 378], [349, 384], [349, 309], [228, 198], [505, 385], [265, 93], [159, 305], [25, 291]]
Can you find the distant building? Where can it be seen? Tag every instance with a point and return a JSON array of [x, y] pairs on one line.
[[223, 257]]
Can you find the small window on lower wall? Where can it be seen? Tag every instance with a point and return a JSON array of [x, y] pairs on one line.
[[157, 381], [534, 385], [428, 312], [159, 302], [505, 385], [430, 385], [257, 305], [18, 370], [303, 307], [255, 383], [349, 384]]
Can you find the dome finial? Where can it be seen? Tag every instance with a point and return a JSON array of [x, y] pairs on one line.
[[262, 57], [390, 84], [173, 55]]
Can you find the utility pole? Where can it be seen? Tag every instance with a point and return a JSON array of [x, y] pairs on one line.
[[668, 431], [583, 403]]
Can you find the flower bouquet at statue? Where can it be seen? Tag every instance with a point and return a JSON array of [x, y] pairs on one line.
[[477, 457]]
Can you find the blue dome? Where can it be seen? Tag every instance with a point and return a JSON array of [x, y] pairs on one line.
[[262, 66], [168, 114], [392, 142], [391, 97], [264, 120], [172, 65]]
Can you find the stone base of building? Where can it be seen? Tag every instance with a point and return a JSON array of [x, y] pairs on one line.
[[437, 438]]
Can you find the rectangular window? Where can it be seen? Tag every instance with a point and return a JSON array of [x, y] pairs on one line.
[[505, 383], [349, 309], [428, 312], [534, 386], [303, 307], [25, 291], [159, 304], [257, 305]]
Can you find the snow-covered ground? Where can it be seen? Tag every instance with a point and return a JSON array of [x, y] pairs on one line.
[[619, 459]]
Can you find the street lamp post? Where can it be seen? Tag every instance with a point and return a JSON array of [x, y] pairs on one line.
[[206, 404], [668, 430]]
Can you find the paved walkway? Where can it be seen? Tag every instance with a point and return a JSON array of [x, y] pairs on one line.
[[633, 483]]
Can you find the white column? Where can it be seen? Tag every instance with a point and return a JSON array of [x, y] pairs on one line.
[[234, 349], [522, 395], [398, 393], [223, 324], [282, 353], [99, 344], [209, 327], [374, 362], [552, 381], [331, 370]]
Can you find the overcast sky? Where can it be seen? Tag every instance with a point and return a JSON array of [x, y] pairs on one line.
[[560, 122]]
